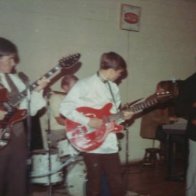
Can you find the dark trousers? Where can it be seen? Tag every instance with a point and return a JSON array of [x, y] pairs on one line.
[[13, 176], [103, 164]]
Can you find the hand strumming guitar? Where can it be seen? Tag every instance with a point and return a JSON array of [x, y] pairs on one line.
[[95, 123]]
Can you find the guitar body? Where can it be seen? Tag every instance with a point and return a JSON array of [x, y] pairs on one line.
[[3, 94], [7, 123], [17, 116], [13, 116], [85, 138]]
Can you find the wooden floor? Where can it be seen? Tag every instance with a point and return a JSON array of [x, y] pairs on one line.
[[148, 180], [145, 180]]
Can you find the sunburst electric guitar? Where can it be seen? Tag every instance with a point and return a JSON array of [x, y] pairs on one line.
[[10, 105], [87, 139]]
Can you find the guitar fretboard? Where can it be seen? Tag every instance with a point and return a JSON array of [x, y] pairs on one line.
[[143, 104], [14, 101], [138, 107], [64, 62]]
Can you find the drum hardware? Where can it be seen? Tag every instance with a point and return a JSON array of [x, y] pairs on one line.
[[64, 156], [67, 162], [74, 176], [46, 164], [127, 145], [50, 171]]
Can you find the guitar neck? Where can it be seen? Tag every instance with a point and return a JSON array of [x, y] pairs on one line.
[[139, 107], [18, 98], [64, 62], [142, 104]]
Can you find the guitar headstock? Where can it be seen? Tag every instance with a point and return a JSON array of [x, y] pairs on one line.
[[69, 60], [164, 96]]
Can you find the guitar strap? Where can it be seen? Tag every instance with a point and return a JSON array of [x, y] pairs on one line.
[[110, 89], [112, 94], [14, 89], [24, 78]]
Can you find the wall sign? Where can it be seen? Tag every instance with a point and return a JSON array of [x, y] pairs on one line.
[[130, 17]]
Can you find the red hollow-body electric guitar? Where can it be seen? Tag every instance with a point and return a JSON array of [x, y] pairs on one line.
[[86, 139], [10, 104]]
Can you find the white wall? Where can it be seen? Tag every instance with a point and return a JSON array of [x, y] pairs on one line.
[[164, 48]]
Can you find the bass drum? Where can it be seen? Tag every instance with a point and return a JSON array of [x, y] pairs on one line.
[[76, 179], [41, 173]]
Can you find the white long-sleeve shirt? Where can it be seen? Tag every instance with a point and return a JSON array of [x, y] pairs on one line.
[[36, 99], [92, 92]]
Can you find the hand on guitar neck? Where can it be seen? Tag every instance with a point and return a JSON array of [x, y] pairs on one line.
[[127, 114], [42, 83]]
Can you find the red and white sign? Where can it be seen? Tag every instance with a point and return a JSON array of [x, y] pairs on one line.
[[130, 17]]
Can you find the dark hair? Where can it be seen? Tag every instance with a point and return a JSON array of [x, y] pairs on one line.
[[8, 48], [112, 60], [67, 78], [168, 85]]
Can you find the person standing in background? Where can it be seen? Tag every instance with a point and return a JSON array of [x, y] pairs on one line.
[[185, 107], [57, 124], [153, 118], [13, 157]]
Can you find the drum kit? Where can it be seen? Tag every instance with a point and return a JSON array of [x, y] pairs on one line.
[[59, 166]]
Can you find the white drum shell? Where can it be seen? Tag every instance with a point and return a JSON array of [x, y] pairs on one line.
[[76, 179], [41, 170]]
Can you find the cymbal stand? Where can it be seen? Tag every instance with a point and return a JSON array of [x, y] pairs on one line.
[[29, 130], [126, 145], [49, 144], [127, 166]]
